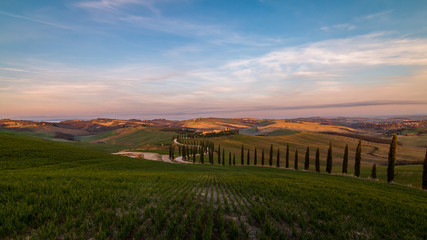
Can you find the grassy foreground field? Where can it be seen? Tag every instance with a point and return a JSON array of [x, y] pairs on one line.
[[54, 190]]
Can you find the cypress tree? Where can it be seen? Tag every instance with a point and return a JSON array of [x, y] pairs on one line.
[[248, 158], [219, 154], [255, 157], [317, 160], [296, 159], [223, 156], [345, 160], [170, 151], [242, 156], [183, 152], [234, 159], [307, 159], [329, 158], [374, 171], [194, 154], [229, 158], [173, 152], [270, 161], [391, 159], [358, 158], [287, 156], [202, 156], [425, 172], [278, 158], [262, 157]]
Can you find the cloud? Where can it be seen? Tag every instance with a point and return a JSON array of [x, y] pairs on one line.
[[116, 5], [36, 20], [374, 15], [347, 27]]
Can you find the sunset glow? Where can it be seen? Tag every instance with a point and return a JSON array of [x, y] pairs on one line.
[[183, 59]]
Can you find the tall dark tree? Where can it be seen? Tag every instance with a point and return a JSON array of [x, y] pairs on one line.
[[270, 161], [248, 162], [262, 157], [357, 159], [278, 158], [219, 154], [170, 151], [223, 157], [287, 156], [425, 172], [296, 159], [242, 156], [194, 154], [317, 160], [234, 159], [307, 159], [392, 159], [345, 160], [255, 158], [202, 156], [329, 158], [374, 171], [229, 158]]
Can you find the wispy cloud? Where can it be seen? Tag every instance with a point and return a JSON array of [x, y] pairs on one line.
[[115, 5], [36, 20], [344, 26], [375, 15]]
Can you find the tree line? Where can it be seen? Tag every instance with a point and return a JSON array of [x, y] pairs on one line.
[[206, 150]]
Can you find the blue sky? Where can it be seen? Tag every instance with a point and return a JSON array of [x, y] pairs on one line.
[[183, 59]]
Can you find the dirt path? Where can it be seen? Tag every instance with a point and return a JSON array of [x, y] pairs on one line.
[[146, 155], [152, 156]]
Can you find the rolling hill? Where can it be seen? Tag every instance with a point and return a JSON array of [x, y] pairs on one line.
[[52, 190]]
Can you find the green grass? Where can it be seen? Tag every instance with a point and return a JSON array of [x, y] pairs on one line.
[[51, 190], [42, 135]]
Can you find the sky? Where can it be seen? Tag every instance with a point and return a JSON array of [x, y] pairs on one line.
[[180, 59]]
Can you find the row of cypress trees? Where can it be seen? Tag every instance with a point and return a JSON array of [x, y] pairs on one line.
[[192, 148]]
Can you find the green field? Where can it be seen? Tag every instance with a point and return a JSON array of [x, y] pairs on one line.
[[52, 190], [123, 139]]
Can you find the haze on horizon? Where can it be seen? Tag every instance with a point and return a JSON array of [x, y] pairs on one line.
[[192, 58]]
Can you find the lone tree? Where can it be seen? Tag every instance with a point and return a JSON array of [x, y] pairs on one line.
[[345, 160], [287, 156], [255, 158], [307, 159], [329, 158], [270, 161], [262, 157], [234, 159], [317, 160], [278, 158], [242, 156], [229, 158], [374, 171], [391, 159], [425, 172], [296, 159], [248, 161], [358, 158]]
